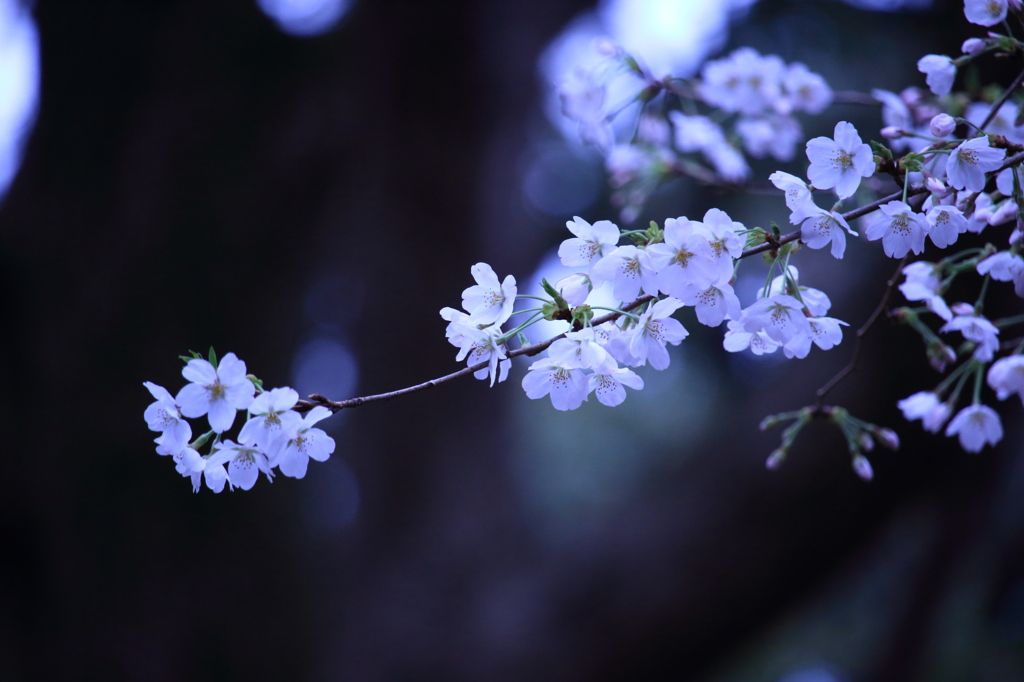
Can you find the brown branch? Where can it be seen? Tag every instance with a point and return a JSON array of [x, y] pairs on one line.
[[1002, 100], [852, 365]]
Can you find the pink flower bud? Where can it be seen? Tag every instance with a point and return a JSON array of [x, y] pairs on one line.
[[891, 133], [775, 460], [973, 46], [942, 125], [889, 438], [862, 467]]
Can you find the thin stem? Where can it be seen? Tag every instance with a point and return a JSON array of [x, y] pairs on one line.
[[845, 371], [633, 317], [536, 298], [979, 373], [980, 303], [1009, 321], [944, 386], [955, 398]]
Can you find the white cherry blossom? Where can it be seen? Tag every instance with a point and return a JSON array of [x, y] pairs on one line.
[[804, 91], [927, 407], [481, 345], [608, 383], [714, 304], [781, 317], [922, 284], [685, 258], [772, 135], [245, 462], [217, 391], [292, 455], [823, 227], [654, 330], [272, 415], [164, 416], [985, 12], [839, 162], [940, 72], [977, 329], [566, 386], [579, 350], [726, 245], [583, 100], [1006, 377], [900, 229], [629, 270], [489, 302], [798, 196], [976, 426], [968, 163], [736, 340], [946, 224], [591, 243], [1002, 266]]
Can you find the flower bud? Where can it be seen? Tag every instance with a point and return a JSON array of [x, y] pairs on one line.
[[889, 438], [973, 46], [892, 133], [574, 288], [935, 186], [775, 459], [942, 125], [862, 467], [867, 443]]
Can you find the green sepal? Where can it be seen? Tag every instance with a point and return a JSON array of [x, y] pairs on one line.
[[755, 237], [582, 315], [550, 310], [881, 150], [201, 441], [258, 383], [213, 358], [912, 162], [655, 234]]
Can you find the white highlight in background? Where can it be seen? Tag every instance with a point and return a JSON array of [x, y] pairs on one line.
[[305, 18], [19, 85]]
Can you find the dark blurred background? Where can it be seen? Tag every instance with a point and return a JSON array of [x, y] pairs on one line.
[[307, 188]]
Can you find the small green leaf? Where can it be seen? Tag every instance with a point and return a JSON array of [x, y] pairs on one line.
[[213, 358], [881, 150]]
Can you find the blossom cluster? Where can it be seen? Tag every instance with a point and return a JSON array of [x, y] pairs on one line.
[[748, 101], [273, 436], [959, 174]]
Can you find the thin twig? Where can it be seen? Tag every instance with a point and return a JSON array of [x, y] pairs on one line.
[[852, 365], [1002, 100]]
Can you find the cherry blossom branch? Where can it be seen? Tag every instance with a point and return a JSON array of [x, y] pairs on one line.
[[1002, 100], [534, 349], [770, 244], [819, 405], [773, 243]]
